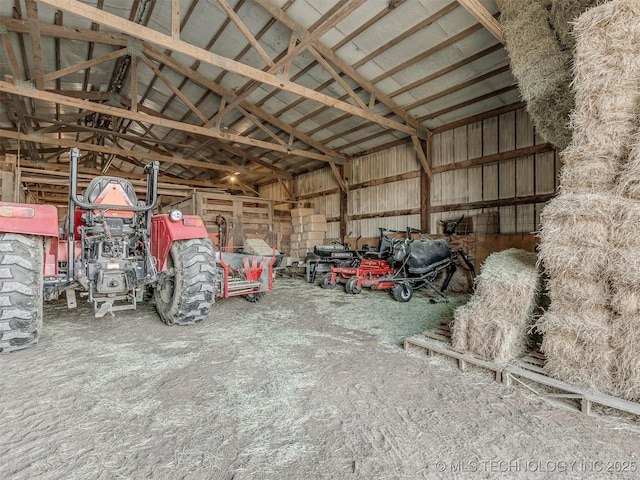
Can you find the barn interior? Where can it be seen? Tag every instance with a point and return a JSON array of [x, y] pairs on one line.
[[319, 147]]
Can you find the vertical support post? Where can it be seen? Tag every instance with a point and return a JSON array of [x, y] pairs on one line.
[[425, 187], [344, 200]]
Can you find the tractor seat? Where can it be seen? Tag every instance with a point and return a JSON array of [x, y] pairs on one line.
[[98, 185]]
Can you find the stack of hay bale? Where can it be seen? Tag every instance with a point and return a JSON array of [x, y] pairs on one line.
[[309, 230], [538, 39], [496, 321], [590, 235]]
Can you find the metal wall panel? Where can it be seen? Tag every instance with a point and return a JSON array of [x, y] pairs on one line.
[[507, 179]]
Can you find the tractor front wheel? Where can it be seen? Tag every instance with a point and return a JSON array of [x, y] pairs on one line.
[[21, 294], [402, 292], [187, 296]]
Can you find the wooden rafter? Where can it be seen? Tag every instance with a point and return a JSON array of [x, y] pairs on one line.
[[338, 62], [123, 113], [308, 39], [34, 35], [200, 79], [475, 8], [148, 34], [245, 31], [84, 145], [85, 65]]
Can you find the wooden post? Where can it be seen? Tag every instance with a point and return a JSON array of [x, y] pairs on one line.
[[8, 181], [344, 200], [425, 188]]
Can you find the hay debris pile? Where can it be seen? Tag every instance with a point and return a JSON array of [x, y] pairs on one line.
[[496, 321], [538, 38], [590, 235]]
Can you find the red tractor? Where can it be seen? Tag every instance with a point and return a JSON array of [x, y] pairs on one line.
[[110, 249]]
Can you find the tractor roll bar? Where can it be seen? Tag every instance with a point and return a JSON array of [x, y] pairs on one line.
[[150, 169]]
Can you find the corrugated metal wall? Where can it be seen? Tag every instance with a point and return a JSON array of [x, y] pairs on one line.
[[493, 186], [394, 204], [496, 164]]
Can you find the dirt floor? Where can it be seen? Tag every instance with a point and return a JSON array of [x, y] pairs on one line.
[[307, 384]]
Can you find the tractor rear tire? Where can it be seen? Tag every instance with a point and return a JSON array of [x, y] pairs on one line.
[[187, 297], [402, 292], [21, 290]]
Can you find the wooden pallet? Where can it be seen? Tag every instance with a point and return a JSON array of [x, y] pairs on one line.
[[439, 340], [526, 370]]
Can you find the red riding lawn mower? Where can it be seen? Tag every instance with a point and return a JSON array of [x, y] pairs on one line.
[[111, 249]]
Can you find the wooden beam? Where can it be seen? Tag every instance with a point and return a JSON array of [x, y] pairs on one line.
[[123, 113], [222, 92], [62, 142], [475, 8], [501, 202], [392, 213], [283, 61], [385, 180], [11, 56], [147, 34], [34, 35], [320, 59], [85, 65], [70, 33], [497, 157], [133, 78], [175, 20], [425, 190], [174, 89], [62, 169], [330, 55], [417, 146], [233, 16]]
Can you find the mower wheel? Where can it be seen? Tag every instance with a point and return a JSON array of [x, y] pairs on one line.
[[187, 296], [21, 294], [327, 283], [255, 297], [402, 292], [352, 286]]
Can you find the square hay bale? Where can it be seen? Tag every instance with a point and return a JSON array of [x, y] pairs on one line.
[[257, 246], [625, 365], [566, 262], [577, 220], [628, 181], [561, 17], [496, 321], [301, 212], [625, 300], [606, 76], [575, 293], [577, 347], [541, 66], [587, 170]]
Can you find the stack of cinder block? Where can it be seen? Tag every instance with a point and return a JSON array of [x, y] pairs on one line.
[[589, 236], [309, 230]]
